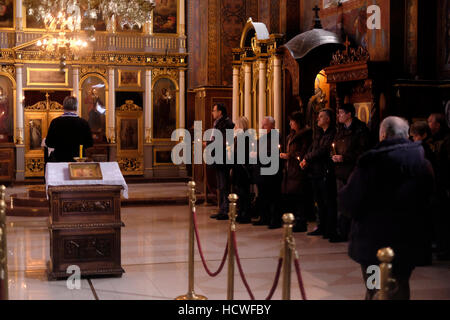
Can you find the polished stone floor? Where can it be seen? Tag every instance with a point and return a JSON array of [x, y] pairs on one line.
[[154, 256]]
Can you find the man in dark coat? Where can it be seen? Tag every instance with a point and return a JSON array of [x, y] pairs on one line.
[[386, 197], [351, 140], [320, 168], [295, 183], [268, 185], [67, 132], [222, 122]]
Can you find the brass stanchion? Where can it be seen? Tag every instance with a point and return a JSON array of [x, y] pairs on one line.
[[233, 198], [288, 219], [191, 295], [3, 248], [385, 255]]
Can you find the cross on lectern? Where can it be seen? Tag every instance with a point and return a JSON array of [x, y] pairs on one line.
[[316, 9], [346, 44]]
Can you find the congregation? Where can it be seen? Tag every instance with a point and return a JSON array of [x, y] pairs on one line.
[[393, 192]]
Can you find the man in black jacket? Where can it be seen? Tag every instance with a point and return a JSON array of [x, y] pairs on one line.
[[320, 167], [222, 123], [386, 197], [67, 132], [352, 139]]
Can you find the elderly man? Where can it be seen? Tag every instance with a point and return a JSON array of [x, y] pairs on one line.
[[386, 197], [268, 185], [67, 132]]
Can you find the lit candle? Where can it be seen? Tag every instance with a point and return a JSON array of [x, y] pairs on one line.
[[279, 147], [81, 151], [298, 158], [334, 149]]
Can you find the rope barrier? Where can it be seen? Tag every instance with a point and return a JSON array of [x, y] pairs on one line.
[[211, 274], [241, 272], [299, 278], [276, 280]]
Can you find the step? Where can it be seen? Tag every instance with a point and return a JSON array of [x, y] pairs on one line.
[[27, 212], [24, 200]]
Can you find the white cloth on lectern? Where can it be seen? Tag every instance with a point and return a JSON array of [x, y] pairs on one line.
[[57, 174]]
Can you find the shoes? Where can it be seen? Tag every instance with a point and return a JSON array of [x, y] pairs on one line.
[[222, 216], [260, 222], [274, 226], [337, 239], [214, 216], [243, 220], [300, 227], [316, 232]]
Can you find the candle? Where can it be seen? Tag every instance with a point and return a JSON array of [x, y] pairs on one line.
[[334, 149], [81, 151], [298, 158], [279, 147]]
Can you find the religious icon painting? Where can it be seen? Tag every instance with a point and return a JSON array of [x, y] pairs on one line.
[[6, 110], [164, 109], [93, 106], [6, 13], [35, 130], [129, 134], [129, 78], [165, 16]]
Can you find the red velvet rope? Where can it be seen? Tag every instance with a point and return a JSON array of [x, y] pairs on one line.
[[211, 274], [238, 261], [275, 281], [299, 278]]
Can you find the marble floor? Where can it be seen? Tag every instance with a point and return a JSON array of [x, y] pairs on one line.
[[154, 256]]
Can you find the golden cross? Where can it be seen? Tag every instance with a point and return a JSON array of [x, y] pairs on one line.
[[347, 44]]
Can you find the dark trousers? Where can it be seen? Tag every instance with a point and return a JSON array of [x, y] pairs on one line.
[[242, 189], [324, 189], [295, 204], [401, 289], [343, 222], [223, 185], [267, 203]]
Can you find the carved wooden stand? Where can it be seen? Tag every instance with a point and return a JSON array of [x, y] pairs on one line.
[[85, 230]]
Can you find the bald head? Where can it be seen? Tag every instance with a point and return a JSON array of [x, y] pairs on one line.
[[394, 127]]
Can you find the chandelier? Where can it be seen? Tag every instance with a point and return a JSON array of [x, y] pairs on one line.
[[65, 19]]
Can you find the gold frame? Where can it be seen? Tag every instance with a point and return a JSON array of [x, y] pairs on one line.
[[177, 34], [119, 82], [160, 164], [14, 18], [14, 89], [34, 115], [136, 153], [96, 166], [177, 107], [66, 77], [24, 21]]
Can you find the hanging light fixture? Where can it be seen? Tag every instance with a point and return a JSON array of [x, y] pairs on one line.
[[63, 21]]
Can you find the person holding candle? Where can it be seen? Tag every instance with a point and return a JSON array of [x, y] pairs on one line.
[[68, 134], [318, 164], [352, 139], [296, 183]]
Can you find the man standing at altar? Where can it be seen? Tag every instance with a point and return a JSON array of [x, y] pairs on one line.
[[67, 132]]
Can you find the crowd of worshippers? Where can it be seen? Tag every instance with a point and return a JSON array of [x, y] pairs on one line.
[[391, 190]]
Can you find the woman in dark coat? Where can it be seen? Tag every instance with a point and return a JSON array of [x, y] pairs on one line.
[[296, 183]]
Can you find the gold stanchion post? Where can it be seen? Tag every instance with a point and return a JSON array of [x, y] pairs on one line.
[[3, 248], [385, 255], [233, 198], [288, 219], [191, 295]]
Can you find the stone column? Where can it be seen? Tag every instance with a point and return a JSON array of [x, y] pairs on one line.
[[182, 111], [248, 92], [148, 106], [182, 18], [19, 104], [235, 93], [277, 92], [19, 21], [75, 85], [20, 148], [111, 107], [262, 92]]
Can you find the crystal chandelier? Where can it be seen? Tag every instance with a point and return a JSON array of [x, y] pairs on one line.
[[63, 20]]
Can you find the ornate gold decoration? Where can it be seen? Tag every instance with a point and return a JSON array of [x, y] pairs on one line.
[[131, 165], [45, 105], [148, 135], [34, 166], [11, 70], [170, 73], [351, 55], [93, 69], [19, 135], [112, 135], [130, 106], [86, 206]]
